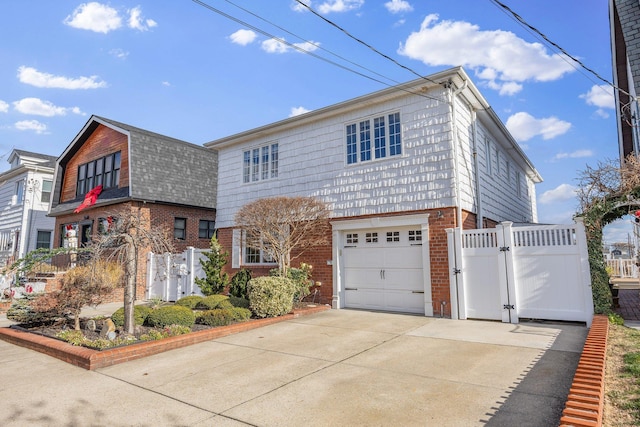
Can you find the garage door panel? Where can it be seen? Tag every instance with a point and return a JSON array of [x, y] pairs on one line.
[[365, 298], [363, 277], [407, 279], [405, 301], [403, 257], [364, 257]]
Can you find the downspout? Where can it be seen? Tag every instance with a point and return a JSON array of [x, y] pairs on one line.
[[476, 169], [456, 166]]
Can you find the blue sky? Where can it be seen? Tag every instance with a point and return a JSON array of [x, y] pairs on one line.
[[181, 69]]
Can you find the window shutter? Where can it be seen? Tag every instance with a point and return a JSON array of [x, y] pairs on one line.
[[236, 248]]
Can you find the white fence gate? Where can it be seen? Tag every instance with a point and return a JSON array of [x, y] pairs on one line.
[[507, 273], [172, 276]]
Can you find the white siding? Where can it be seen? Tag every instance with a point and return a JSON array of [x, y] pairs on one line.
[[313, 163]]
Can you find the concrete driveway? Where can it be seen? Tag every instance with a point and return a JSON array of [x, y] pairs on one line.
[[339, 367]]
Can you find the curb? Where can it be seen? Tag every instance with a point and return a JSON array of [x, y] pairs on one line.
[[584, 406], [90, 359]]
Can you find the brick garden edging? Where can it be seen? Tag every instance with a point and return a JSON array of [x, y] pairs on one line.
[[93, 359], [585, 401]]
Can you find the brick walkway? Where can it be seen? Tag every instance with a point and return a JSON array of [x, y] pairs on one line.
[[629, 301]]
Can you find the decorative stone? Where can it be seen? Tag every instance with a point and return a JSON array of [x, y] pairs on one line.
[[91, 325], [111, 335], [107, 327]]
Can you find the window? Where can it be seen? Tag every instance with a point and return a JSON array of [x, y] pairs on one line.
[[393, 236], [104, 171], [43, 240], [253, 255], [180, 228], [206, 229], [371, 237], [19, 191], [415, 235], [259, 164], [352, 238], [46, 191], [385, 132]]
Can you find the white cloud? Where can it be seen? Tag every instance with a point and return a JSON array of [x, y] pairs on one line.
[[137, 22], [34, 125], [119, 53], [166, 83], [277, 46], [4, 107], [574, 155], [243, 37], [94, 16], [297, 7], [398, 6], [498, 56], [524, 126], [296, 111], [339, 6], [33, 77], [600, 96], [561, 193], [39, 107]]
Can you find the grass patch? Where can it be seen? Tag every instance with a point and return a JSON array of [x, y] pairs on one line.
[[622, 385]]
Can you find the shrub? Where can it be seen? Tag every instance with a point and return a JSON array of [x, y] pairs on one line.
[[238, 302], [215, 279], [140, 314], [301, 278], [270, 296], [223, 316], [169, 331], [238, 287], [171, 315], [191, 301], [213, 301], [22, 310]]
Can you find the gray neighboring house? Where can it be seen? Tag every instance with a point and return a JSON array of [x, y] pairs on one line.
[[25, 194]]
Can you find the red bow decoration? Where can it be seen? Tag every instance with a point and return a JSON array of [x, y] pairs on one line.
[[90, 198]]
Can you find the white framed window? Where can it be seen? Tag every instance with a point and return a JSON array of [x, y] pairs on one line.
[[47, 186], [19, 193], [371, 237], [256, 255], [352, 238], [393, 236], [260, 163], [415, 236], [373, 138]]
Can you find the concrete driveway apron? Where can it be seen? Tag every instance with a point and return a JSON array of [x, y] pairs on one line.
[[339, 367]]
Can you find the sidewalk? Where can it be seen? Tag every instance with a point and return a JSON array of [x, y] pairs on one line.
[[629, 309]]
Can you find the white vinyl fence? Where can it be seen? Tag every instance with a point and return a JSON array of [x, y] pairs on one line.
[[172, 276], [624, 268], [512, 272]]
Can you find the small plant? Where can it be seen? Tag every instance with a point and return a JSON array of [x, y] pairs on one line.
[[238, 287], [155, 303], [190, 301], [169, 331], [271, 296], [616, 319], [140, 313], [239, 302], [215, 279], [223, 316], [171, 315], [77, 338], [213, 301]]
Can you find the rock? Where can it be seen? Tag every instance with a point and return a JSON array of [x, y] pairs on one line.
[[90, 325], [108, 327]]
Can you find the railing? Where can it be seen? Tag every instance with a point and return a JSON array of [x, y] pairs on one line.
[[623, 268]]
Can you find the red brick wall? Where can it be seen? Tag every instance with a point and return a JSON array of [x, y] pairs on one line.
[[103, 141]]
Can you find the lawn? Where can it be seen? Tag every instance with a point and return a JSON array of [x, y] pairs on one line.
[[622, 381]]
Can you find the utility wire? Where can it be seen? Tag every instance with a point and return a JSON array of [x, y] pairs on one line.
[[333, 24], [300, 49], [522, 21]]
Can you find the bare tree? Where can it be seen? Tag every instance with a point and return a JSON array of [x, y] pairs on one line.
[[280, 225], [127, 234]]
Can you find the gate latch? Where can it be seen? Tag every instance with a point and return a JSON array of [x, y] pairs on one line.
[[456, 271], [504, 248], [509, 307]]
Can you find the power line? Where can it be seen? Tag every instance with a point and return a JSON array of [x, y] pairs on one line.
[[300, 49], [523, 22], [333, 24]]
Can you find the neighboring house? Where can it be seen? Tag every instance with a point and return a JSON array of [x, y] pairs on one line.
[[624, 16], [170, 182], [25, 193], [396, 167]]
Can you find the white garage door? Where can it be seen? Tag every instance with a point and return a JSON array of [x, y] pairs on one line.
[[383, 269]]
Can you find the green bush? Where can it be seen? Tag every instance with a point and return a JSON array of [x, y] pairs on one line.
[[301, 278], [21, 310], [238, 302], [223, 316], [213, 301], [140, 313], [270, 296], [171, 315], [238, 287], [191, 301]]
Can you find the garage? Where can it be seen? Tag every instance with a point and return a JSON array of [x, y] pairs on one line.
[[382, 268]]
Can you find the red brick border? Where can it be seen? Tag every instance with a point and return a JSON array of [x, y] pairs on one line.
[[585, 401], [93, 359]]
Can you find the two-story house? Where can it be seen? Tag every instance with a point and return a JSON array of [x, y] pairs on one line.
[[110, 166], [397, 168], [25, 193]]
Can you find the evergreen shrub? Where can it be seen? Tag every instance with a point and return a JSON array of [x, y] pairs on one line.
[[271, 296], [171, 315]]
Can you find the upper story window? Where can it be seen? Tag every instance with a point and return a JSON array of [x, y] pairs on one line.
[[104, 171], [261, 163], [206, 229], [375, 138], [47, 186], [19, 194]]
